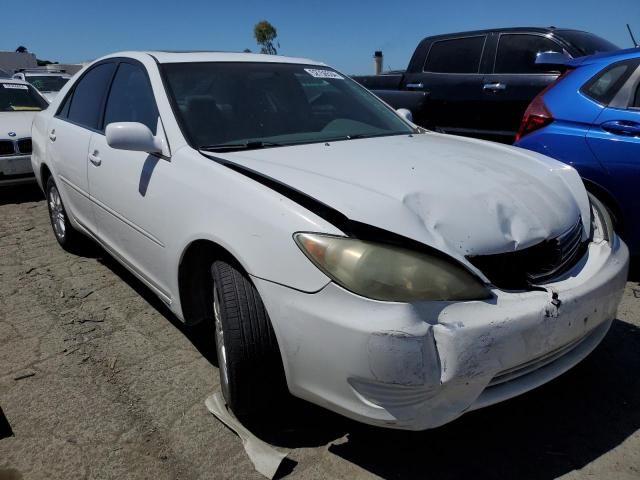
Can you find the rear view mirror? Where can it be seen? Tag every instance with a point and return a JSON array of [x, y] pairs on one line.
[[132, 136], [406, 114], [553, 59]]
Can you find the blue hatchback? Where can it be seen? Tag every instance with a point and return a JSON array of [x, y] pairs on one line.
[[590, 119]]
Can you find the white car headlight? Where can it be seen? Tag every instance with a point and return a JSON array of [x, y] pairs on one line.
[[601, 222], [389, 273]]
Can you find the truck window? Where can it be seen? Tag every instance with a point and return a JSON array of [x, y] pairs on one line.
[[517, 53], [459, 55]]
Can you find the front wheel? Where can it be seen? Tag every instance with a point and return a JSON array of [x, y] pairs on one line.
[[251, 372], [67, 236]]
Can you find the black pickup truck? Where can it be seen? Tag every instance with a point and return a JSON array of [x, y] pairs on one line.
[[479, 83]]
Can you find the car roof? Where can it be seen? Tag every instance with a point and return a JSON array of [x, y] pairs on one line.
[[606, 57], [165, 56], [554, 30]]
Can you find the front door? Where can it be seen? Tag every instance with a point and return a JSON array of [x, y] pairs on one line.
[[515, 81], [126, 186]]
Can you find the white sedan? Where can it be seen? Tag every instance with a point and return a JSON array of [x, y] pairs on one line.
[[19, 102], [396, 276]]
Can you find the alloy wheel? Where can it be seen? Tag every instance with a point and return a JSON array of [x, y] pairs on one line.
[[220, 348], [56, 211]]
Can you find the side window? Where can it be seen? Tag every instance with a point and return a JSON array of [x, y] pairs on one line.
[[63, 110], [636, 99], [606, 84], [86, 103], [460, 55], [131, 98], [517, 53]]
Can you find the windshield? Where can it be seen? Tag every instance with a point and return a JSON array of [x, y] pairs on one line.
[[243, 105], [587, 43], [15, 97], [47, 83]]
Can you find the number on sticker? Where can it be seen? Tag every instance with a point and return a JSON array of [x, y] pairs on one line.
[[318, 73]]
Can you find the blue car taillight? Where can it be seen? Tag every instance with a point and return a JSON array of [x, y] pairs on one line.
[[537, 115]]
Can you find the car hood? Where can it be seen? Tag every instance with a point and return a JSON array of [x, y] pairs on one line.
[[17, 122], [462, 196]]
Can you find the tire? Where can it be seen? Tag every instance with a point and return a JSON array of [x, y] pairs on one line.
[[67, 236], [251, 373]]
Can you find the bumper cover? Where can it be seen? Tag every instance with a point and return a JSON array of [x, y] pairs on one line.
[[16, 169], [418, 366]]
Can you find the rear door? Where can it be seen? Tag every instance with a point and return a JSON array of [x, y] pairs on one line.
[[615, 139], [451, 78], [515, 80], [69, 133]]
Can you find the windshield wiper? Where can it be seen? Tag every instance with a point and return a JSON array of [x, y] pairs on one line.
[[232, 147]]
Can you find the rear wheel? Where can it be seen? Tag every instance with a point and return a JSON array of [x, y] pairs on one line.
[[67, 236], [251, 372]]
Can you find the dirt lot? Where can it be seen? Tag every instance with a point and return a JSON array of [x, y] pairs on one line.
[[98, 380]]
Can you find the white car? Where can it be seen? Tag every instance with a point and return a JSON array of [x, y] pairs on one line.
[[19, 102], [396, 276], [48, 83]]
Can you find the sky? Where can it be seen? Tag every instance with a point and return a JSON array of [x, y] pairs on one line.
[[343, 34]]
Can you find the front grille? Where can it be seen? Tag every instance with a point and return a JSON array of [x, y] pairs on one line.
[[24, 146], [7, 147], [534, 265], [535, 363]]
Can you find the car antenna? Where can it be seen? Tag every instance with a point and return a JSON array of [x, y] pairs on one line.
[[635, 44]]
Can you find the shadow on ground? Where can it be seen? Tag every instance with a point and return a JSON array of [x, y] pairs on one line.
[[548, 432], [201, 336], [28, 192]]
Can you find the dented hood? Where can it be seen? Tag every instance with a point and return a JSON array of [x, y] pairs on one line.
[[462, 196]]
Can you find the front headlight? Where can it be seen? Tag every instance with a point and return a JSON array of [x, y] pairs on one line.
[[601, 222], [389, 273]]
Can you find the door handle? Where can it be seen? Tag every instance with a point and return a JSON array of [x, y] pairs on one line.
[[93, 158], [52, 135], [622, 127], [494, 87], [415, 86]]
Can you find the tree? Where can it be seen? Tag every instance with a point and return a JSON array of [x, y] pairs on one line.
[[266, 34], [22, 49], [247, 50]]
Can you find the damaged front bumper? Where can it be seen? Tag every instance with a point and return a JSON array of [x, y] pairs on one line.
[[418, 366]]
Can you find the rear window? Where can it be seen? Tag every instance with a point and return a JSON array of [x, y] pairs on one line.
[[47, 83], [604, 85], [587, 43], [15, 97], [459, 55]]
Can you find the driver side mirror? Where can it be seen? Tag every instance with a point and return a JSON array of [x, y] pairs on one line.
[[557, 60], [406, 114], [132, 136]]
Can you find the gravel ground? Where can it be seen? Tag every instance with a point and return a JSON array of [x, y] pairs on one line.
[[98, 380]]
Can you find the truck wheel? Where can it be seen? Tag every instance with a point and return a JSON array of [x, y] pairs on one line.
[[251, 372], [67, 236]]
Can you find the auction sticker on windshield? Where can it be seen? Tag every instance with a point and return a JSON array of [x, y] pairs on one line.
[[15, 86], [317, 73]]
